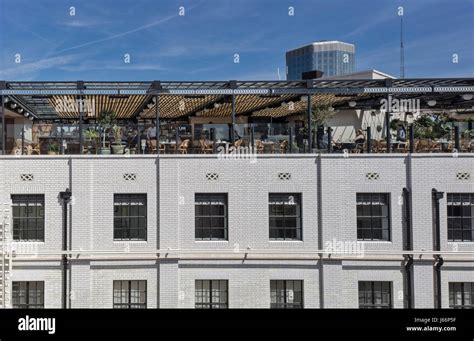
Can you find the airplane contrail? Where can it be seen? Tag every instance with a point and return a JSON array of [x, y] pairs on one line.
[[118, 35]]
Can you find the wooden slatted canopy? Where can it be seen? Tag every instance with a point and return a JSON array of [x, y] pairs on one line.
[[179, 99], [123, 106], [175, 106]]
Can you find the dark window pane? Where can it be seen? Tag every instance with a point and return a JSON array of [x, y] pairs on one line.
[[210, 216], [211, 294], [130, 219], [373, 216], [460, 211], [129, 294], [28, 217], [285, 215], [286, 294], [28, 295], [375, 295]]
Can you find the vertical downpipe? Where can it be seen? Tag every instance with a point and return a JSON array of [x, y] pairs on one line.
[[65, 197], [437, 196], [408, 266]]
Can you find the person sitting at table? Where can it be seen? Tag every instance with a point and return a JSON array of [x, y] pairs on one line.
[[401, 133], [360, 137], [151, 133], [134, 139]]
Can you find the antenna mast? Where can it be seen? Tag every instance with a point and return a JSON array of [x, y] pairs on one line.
[[402, 51]]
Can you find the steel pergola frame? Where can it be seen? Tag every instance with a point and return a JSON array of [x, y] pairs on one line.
[[239, 87], [35, 96]]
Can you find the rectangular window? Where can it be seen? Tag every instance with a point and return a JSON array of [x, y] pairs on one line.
[[286, 294], [28, 295], [130, 217], [461, 217], [375, 295], [28, 217], [461, 295], [373, 216], [211, 216], [211, 294], [129, 294], [285, 216]]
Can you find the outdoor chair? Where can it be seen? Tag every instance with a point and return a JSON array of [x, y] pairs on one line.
[[33, 148], [205, 148], [152, 146], [259, 146], [401, 147], [360, 147], [162, 149], [183, 147], [283, 147], [16, 150], [374, 145], [435, 146], [381, 146], [239, 143], [465, 146], [424, 145]]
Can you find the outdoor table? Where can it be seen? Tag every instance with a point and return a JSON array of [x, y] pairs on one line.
[[444, 144], [268, 145], [224, 144], [168, 146], [398, 145], [347, 145]]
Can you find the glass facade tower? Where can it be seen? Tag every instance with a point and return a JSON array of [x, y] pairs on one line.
[[333, 58]]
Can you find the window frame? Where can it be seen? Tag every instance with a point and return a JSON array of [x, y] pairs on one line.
[[129, 197], [36, 201], [26, 291], [202, 294], [373, 292], [298, 217], [452, 293], [286, 304], [372, 217], [461, 218], [129, 304], [210, 197]]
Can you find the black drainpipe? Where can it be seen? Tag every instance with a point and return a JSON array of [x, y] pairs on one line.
[[408, 229], [437, 280], [408, 281], [437, 196], [408, 247], [65, 197]]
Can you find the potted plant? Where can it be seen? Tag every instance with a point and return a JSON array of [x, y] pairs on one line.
[[320, 115], [117, 146], [105, 121], [423, 127], [91, 136], [53, 149]]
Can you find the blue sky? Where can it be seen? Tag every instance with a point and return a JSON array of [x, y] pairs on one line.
[[201, 45]]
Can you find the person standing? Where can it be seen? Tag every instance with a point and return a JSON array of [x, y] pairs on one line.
[[401, 133], [151, 133]]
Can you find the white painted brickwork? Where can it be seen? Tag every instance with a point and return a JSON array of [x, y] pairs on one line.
[[328, 187]]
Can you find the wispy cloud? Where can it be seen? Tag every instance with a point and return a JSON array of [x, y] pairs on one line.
[[122, 34], [25, 29], [29, 70], [77, 23], [385, 15], [87, 66]]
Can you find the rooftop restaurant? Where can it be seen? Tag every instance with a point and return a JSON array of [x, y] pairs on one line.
[[262, 117]]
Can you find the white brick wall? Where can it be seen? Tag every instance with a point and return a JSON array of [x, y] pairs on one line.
[[248, 283], [170, 281]]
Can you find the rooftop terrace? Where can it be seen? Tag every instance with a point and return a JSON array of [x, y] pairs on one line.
[[219, 116]]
